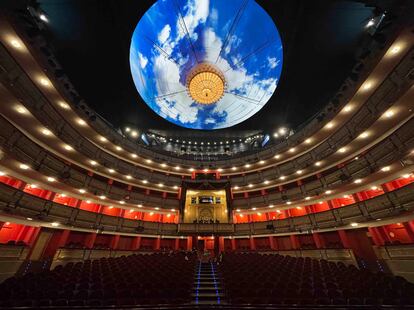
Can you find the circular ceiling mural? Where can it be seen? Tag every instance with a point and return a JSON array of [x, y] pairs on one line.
[[206, 64]]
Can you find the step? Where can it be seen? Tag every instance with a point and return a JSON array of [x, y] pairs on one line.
[[207, 302], [207, 289], [205, 295]]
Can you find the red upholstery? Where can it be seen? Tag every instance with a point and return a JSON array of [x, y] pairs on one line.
[[262, 279], [131, 280]]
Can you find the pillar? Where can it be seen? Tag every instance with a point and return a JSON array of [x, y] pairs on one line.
[[409, 231], [115, 242], [136, 243], [233, 244], [157, 244], [177, 244], [63, 238], [378, 240], [90, 240], [344, 239], [221, 244], [294, 242], [272, 243], [252, 244], [320, 243], [189, 243]]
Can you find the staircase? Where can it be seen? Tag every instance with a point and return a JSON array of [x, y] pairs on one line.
[[207, 285]]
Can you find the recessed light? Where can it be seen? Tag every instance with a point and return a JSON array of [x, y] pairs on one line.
[[175, 187], [82, 191], [2, 173], [288, 202], [161, 185], [177, 168], [88, 201], [395, 49], [291, 150], [233, 168], [172, 210], [93, 163], [374, 188], [118, 148], [278, 211], [156, 208], [63, 105], [318, 163], [366, 85], [389, 114], [16, 44], [277, 156], [308, 141], [342, 150], [358, 181], [122, 202], [282, 177], [348, 108], [128, 177], [111, 170], [144, 181], [282, 131], [247, 166], [266, 182], [134, 155], [254, 209], [385, 169], [51, 179], [102, 197], [262, 162], [299, 172], [236, 187], [330, 125], [46, 132], [81, 122], [149, 161], [24, 166], [364, 135], [406, 176], [55, 224], [259, 214], [21, 109], [354, 224], [151, 213], [29, 219], [163, 165], [44, 82], [102, 139], [307, 198], [250, 185], [328, 192], [68, 147], [299, 208]]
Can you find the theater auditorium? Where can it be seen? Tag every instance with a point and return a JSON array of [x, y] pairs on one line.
[[206, 154]]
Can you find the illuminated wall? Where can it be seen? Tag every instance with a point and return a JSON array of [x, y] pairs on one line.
[[205, 205]]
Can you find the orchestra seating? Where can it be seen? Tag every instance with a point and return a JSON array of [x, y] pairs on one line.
[[127, 280], [252, 278]]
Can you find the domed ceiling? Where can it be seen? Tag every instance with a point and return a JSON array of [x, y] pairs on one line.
[[206, 64]]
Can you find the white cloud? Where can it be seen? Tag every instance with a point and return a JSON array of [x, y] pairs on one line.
[[273, 62], [210, 121], [197, 12], [143, 61], [164, 34]]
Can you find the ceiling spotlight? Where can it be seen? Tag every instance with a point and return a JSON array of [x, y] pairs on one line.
[[118, 148], [46, 132], [50, 179], [16, 44], [389, 114], [81, 122], [307, 198], [271, 206], [262, 162], [177, 168], [282, 177], [55, 224], [82, 191], [102, 139], [330, 125], [236, 187], [370, 23], [254, 209], [250, 185], [348, 108], [247, 166], [318, 163], [161, 185], [149, 161], [277, 156], [163, 165], [374, 188], [128, 177], [127, 129], [29, 219], [102, 197], [134, 134], [63, 105], [21, 109], [364, 135], [385, 169], [288, 202], [354, 224], [342, 150], [233, 168], [276, 135], [394, 50], [266, 182], [299, 172], [358, 181], [2, 173], [328, 192], [175, 187], [291, 150], [44, 82], [93, 163], [134, 155], [24, 166], [366, 85], [191, 169], [111, 170], [122, 202], [68, 147], [282, 131], [44, 18]]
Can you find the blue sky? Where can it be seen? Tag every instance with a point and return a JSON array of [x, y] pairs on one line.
[[238, 36]]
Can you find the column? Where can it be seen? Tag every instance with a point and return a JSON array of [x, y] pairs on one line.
[[272, 243], [378, 240], [344, 239], [320, 244], [90, 240], [177, 244], [252, 244], [294, 242], [115, 242], [409, 231], [136, 243], [233, 244], [221, 244], [157, 245], [63, 238], [189, 243]]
